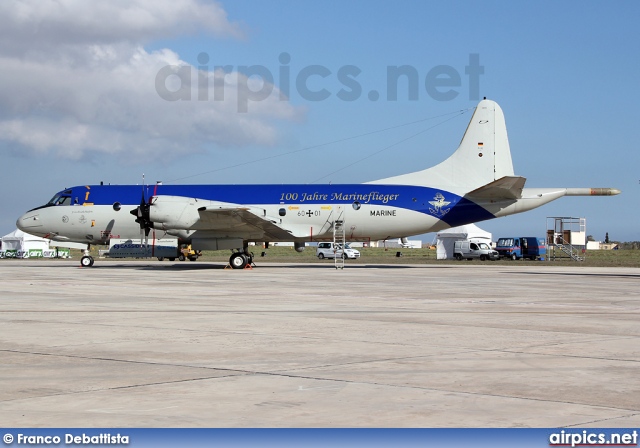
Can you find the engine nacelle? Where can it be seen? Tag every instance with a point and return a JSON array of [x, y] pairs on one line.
[[174, 212], [299, 246]]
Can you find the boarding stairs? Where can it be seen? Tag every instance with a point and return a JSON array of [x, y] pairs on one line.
[[338, 241], [568, 249]]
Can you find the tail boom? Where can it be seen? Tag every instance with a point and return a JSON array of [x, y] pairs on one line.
[[535, 197], [592, 192]]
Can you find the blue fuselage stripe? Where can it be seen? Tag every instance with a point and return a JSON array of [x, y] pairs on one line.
[[450, 208]]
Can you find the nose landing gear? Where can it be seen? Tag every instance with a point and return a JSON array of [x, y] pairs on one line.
[[87, 260]]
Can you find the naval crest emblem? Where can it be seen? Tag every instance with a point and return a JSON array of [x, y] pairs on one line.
[[438, 206]]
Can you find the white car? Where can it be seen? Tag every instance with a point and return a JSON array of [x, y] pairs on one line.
[[331, 250], [471, 250]]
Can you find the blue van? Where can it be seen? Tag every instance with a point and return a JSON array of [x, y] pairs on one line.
[[528, 247]]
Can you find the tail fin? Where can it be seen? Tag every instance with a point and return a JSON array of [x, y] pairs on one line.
[[482, 157]]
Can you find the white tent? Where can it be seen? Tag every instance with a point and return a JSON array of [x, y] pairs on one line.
[[18, 244], [446, 239]]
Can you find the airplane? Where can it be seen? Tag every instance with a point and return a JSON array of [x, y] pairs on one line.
[[475, 183]]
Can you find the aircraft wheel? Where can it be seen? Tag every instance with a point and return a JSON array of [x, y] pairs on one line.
[[321, 256], [86, 261], [181, 257], [514, 257], [238, 260]]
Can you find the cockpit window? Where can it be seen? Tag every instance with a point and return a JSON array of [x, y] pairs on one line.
[[60, 199]]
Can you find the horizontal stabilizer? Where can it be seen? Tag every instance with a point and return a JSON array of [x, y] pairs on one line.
[[507, 187]]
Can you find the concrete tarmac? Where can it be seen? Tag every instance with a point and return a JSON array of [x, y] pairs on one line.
[[150, 344]]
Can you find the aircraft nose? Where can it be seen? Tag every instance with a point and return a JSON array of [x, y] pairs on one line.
[[29, 221]]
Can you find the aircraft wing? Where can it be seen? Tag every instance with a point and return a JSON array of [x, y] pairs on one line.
[[507, 187], [236, 217], [187, 213]]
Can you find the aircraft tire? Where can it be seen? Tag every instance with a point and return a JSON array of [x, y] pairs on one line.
[[238, 260], [86, 261]]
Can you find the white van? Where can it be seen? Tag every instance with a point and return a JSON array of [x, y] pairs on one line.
[[471, 250], [329, 250]]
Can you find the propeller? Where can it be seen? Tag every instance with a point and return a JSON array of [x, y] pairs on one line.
[[142, 214]]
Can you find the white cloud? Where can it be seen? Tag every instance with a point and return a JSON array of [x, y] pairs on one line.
[[25, 24], [78, 81]]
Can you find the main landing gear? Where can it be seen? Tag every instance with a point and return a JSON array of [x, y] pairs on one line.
[[241, 259]]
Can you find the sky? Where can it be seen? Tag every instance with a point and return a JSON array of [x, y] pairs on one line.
[[303, 92]]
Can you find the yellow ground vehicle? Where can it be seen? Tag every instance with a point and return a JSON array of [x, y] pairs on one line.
[[185, 251]]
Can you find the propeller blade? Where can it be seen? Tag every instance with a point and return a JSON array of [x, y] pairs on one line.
[[143, 217]]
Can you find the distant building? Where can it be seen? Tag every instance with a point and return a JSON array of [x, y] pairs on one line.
[[599, 245]]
